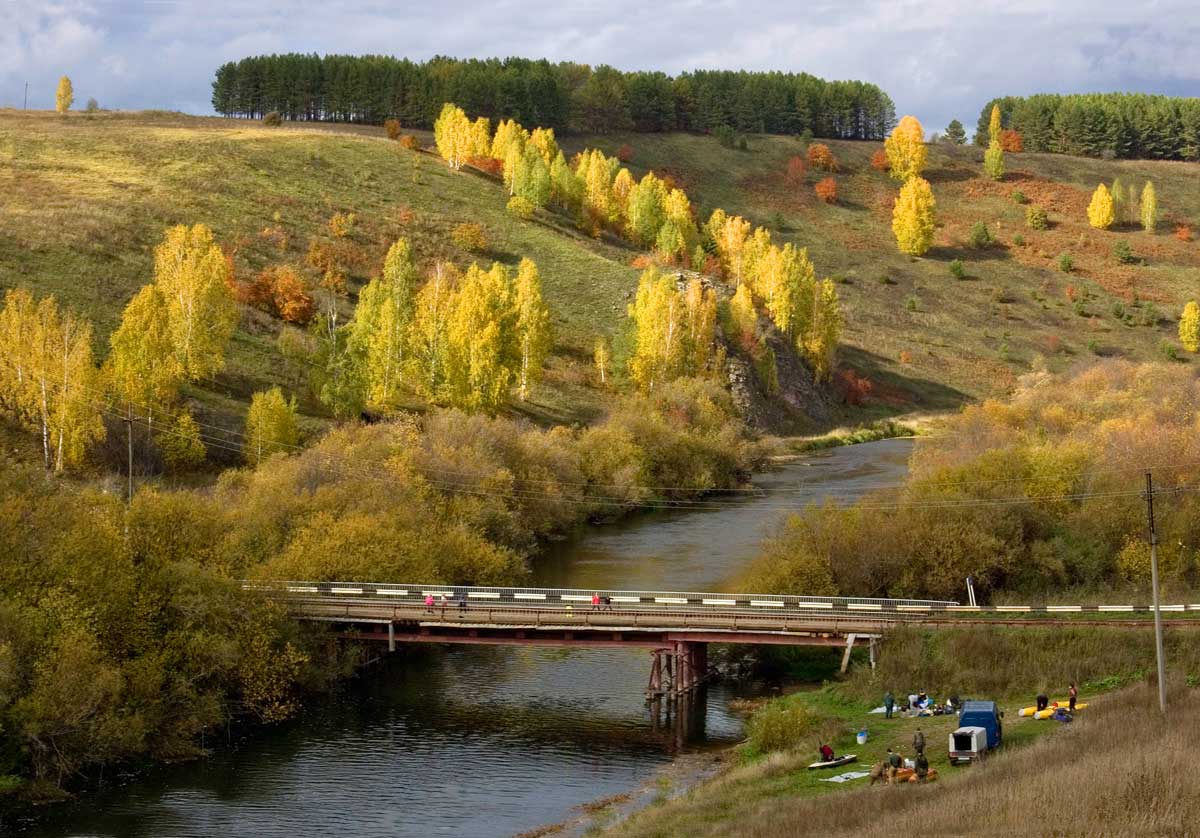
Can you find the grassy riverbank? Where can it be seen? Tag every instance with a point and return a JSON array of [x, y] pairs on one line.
[[767, 789]]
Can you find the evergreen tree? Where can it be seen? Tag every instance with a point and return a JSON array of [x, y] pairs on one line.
[[1149, 208], [993, 160], [270, 426], [955, 132], [1100, 210], [1189, 327], [64, 97], [913, 217], [192, 275], [533, 325], [905, 148]]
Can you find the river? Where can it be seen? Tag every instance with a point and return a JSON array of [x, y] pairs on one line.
[[486, 741]]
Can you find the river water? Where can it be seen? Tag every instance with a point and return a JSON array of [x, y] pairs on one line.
[[484, 741]]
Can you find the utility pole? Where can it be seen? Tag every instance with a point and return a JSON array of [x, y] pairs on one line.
[[129, 442], [1158, 631], [25, 107]]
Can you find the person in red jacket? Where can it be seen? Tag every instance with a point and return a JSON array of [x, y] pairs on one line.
[[826, 753]]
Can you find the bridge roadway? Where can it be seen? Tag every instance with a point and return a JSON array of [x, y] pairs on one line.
[[676, 626]]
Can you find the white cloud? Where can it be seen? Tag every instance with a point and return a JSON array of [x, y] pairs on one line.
[[938, 59]]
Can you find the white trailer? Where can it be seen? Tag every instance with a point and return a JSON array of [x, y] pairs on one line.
[[968, 744]]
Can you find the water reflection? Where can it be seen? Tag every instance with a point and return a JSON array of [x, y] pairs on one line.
[[482, 741]]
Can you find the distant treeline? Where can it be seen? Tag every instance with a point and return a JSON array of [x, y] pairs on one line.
[[564, 96], [1125, 125]]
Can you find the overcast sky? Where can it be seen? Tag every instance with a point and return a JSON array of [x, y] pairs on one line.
[[939, 59]]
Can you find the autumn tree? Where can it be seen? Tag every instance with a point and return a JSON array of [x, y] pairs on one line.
[[729, 233], [452, 134], [1012, 141], [1149, 208], [64, 97], [533, 325], [543, 140], [1120, 199], [429, 333], [646, 210], [483, 352], [507, 133], [824, 330], [142, 369], [1100, 210], [820, 157], [181, 443], [913, 217], [743, 317], [270, 426], [906, 150], [879, 160], [289, 295], [955, 132], [678, 235], [993, 160], [797, 169], [826, 190], [1189, 327], [602, 358], [48, 380], [700, 323], [379, 329], [994, 125], [658, 317], [192, 276]]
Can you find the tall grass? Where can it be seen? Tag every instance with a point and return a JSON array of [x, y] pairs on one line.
[[1119, 769]]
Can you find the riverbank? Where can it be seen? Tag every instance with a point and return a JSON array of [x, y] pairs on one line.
[[1118, 769], [766, 782], [898, 427]]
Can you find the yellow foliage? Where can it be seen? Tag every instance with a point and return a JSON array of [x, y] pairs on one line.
[[906, 150], [1189, 327], [1100, 211], [64, 97], [913, 217]]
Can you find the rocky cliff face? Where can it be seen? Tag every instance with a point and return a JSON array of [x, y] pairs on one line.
[[799, 402]]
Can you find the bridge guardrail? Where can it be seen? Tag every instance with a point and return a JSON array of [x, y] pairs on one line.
[[557, 598]]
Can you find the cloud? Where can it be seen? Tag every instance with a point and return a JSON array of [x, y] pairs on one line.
[[939, 59]]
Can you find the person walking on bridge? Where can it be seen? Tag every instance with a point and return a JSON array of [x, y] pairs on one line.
[[596, 602], [428, 603], [444, 603]]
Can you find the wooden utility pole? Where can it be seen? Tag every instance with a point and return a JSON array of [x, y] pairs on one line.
[[129, 442], [25, 106], [1158, 630]]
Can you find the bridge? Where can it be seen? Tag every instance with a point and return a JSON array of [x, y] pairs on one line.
[[676, 627]]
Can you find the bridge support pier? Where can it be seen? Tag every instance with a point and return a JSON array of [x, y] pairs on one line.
[[677, 669], [850, 638], [391, 636]]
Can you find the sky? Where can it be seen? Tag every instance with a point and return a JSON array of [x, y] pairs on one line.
[[938, 59]]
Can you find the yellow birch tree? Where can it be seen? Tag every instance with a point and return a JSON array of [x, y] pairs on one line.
[[906, 150], [533, 325], [913, 217]]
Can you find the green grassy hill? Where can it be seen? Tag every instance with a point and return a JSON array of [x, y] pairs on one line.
[[1013, 311], [85, 199]]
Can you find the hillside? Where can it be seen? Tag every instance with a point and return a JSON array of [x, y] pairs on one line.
[[85, 200], [968, 338]]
